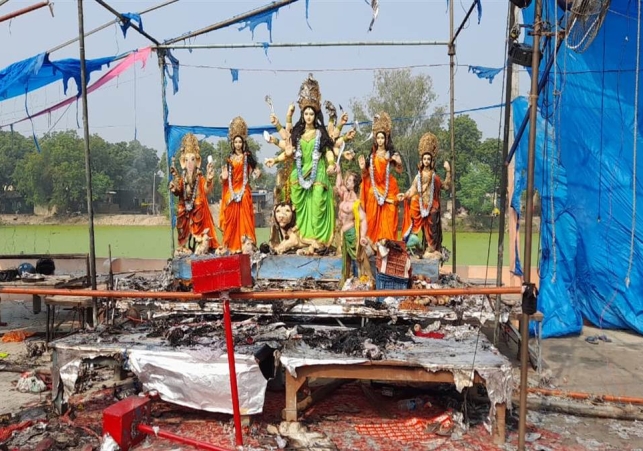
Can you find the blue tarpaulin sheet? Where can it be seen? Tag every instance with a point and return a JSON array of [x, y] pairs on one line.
[[175, 133], [38, 71], [589, 176]]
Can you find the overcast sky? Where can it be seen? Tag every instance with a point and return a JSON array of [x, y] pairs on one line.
[[207, 95]]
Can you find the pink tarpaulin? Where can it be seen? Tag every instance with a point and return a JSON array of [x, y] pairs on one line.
[[137, 55]]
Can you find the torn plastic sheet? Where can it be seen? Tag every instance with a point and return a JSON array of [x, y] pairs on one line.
[[197, 377], [200, 381], [66, 368]]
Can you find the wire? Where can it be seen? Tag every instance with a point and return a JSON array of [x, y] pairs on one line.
[[613, 265], [635, 130], [498, 149], [495, 183], [346, 69]]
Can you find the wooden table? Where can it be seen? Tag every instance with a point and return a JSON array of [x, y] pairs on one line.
[[47, 282], [427, 360], [80, 303]]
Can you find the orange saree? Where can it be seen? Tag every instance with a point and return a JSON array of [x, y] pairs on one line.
[[236, 216], [415, 220], [196, 220], [379, 204]]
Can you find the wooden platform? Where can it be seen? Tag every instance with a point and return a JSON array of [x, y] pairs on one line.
[[463, 363], [293, 267]]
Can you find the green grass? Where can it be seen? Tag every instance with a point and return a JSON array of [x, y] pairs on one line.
[[154, 242]]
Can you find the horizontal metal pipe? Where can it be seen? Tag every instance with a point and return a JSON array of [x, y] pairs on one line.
[[251, 45], [261, 295], [22, 11], [179, 439], [274, 6], [581, 395]]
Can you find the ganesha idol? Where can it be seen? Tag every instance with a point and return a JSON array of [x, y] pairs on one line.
[[191, 187]]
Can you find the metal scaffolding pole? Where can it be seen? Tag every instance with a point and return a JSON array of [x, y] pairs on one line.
[[105, 25], [504, 177], [252, 45], [452, 120], [464, 21], [261, 295], [531, 158], [88, 166], [161, 58], [225, 23], [124, 20], [25, 10]]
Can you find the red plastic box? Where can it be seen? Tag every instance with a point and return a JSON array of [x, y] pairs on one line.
[[121, 420], [217, 274]]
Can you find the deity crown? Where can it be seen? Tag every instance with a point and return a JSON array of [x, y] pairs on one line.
[[190, 144], [382, 124], [238, 127], [428, 144], [309, 94]]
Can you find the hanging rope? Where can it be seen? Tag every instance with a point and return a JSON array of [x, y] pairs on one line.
[[634, 144], [552, 156]]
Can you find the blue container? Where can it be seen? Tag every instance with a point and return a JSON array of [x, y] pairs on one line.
[[386, 282]]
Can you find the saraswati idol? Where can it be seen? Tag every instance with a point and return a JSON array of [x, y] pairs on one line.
[[236, 217]]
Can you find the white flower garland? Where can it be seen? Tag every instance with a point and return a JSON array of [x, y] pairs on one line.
[[238, 195], [306, 184], [424, 211], [381, 198]]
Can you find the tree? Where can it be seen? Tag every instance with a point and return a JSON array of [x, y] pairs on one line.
[[141, 170], [14, 147], [31, 180], [489, 152], [56, 177], [467, 141], [476, 194], [409, 100]]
